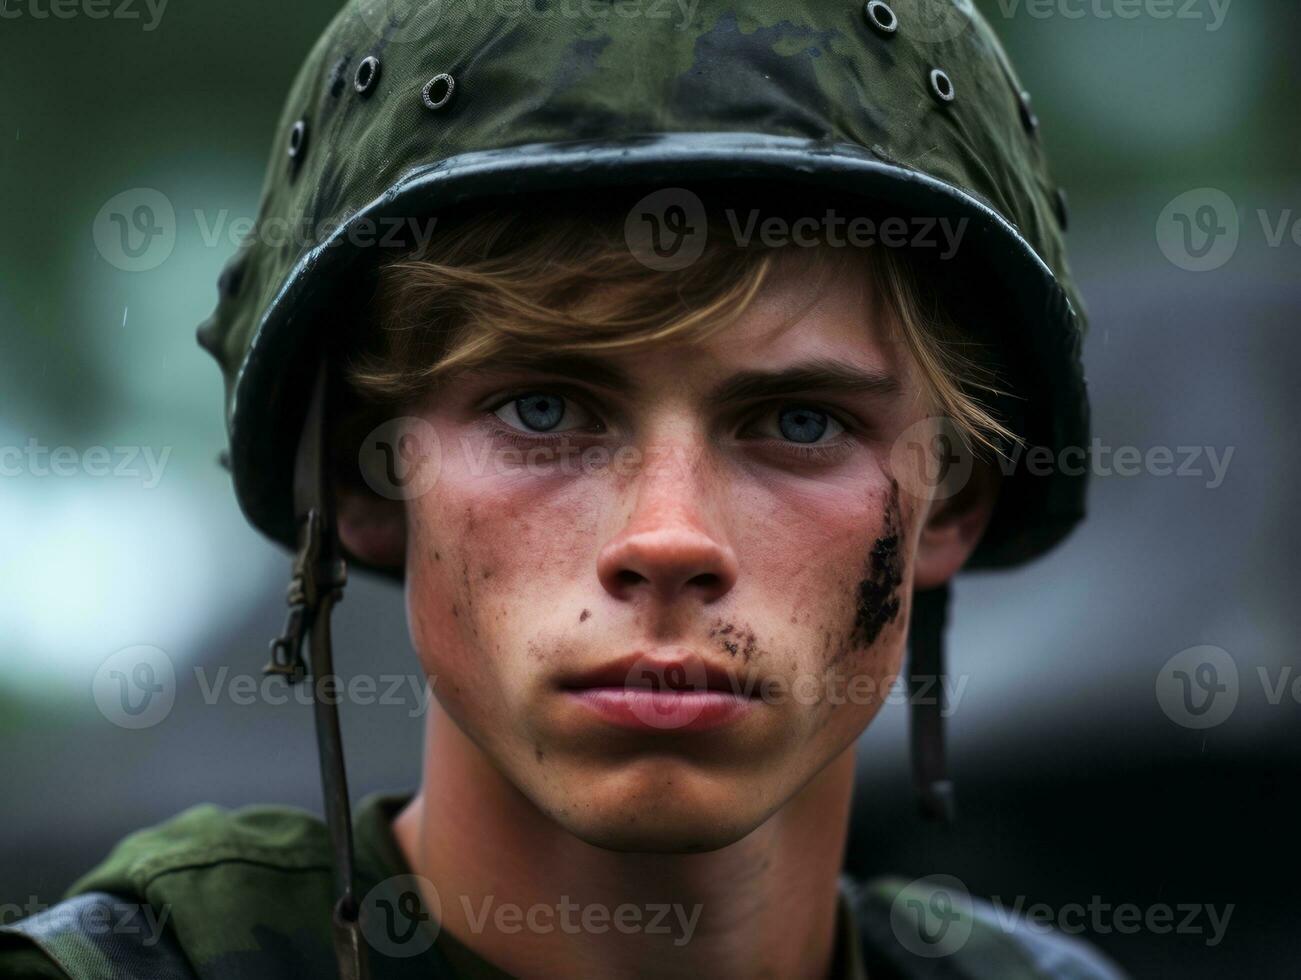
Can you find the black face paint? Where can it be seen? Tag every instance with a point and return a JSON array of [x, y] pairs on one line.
[[878, 593]]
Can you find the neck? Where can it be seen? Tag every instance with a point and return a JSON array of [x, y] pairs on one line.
[[526, 895]]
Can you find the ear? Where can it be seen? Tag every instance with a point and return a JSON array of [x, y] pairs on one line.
[[372, 528], [953, 528]]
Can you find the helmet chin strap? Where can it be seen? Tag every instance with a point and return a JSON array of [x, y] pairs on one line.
[[317, 584], [926, 699]]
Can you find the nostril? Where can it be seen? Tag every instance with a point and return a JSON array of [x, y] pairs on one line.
[[627, 577], [706, 581]]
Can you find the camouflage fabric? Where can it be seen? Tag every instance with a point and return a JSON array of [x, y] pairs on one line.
[[405, 108], [247, 894]]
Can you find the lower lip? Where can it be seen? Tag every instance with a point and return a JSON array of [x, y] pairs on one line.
[[666, 712]]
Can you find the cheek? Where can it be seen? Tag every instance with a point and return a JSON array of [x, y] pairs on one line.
[[487, 561], [849, 596], [839, 553]]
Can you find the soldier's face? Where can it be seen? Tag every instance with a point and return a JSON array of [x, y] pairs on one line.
[[662, 592]]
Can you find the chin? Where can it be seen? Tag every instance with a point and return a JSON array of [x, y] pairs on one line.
[[656, 806]]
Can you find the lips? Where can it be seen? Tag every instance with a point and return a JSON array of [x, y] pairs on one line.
[[669, 692], [662, 671]]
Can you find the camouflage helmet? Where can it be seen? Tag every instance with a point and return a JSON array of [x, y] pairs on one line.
[[409, 107]]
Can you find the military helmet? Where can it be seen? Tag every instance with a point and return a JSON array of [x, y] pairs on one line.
[[406, 108]]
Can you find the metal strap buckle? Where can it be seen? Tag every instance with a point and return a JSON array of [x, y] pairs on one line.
[[306, 588]]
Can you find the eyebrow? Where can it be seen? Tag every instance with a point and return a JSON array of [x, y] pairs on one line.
[[827, 376], [819, 375], [580, 367]]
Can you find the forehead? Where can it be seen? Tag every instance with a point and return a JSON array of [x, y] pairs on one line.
[[803, 313]]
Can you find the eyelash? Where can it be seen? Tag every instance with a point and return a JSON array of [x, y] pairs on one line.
[[826, 453]]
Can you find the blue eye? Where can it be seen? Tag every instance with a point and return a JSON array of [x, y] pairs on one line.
[[800, 424], [544, 411], [539, 411]]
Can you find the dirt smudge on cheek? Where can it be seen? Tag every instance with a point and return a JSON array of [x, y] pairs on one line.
[[735, 641], [582, 618], [877, 599]]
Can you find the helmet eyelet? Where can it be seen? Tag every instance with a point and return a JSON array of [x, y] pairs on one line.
[[881, 15], [438, 91], [298, 141], [942, 86], [1028, 118], [367, 76]]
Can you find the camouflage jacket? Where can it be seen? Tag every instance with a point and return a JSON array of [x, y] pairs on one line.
[[214, 894]]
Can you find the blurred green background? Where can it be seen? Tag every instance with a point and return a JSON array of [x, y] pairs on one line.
[[1075, 782]]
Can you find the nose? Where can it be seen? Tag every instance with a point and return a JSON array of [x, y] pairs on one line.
[[667, 548]]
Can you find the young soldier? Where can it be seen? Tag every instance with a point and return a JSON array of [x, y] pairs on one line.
[[648, 421]]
